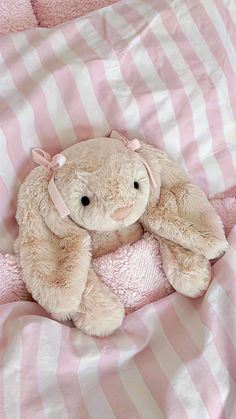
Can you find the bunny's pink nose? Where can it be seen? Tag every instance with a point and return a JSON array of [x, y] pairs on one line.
[[122, 213]]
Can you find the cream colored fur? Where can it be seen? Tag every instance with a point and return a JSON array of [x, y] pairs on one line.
[[55, 254]]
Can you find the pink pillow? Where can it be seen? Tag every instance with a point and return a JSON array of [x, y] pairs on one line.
[[53, 12], [16, 16]]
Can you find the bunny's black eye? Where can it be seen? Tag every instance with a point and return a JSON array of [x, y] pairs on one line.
[[85, 201], [136, 185]]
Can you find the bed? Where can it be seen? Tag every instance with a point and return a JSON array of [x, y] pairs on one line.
[[163, 71]]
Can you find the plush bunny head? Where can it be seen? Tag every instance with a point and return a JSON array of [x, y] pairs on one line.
[[106, 184]]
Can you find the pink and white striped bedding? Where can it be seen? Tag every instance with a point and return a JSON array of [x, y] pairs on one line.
[[164, 71], [174, 359]]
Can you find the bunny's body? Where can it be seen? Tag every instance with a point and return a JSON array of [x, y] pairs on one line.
[[113, 194]]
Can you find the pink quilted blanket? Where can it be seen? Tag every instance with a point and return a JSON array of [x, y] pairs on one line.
[[163, 71], [19, 15]]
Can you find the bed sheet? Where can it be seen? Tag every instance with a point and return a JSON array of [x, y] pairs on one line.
[[164, 71], [174, 359]]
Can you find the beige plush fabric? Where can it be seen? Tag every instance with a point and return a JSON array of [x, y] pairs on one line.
[[55, 253]]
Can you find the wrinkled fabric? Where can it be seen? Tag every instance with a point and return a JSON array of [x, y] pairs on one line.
[[175, 358], [53, 12], [133, 272], [162, 72]]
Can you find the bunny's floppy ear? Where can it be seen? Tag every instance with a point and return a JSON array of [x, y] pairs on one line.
[[180, 211], [53, 253]]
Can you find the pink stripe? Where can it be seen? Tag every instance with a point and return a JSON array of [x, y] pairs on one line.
[[97, 73], [12, 131], [132, 75], [187, 350], [33, 93], [8, 314], [30, 398], [151, 371], [226, 271], [228, 21], [113, 389], [205, 83], [221, 338], [67, 376], [5, 315], [66, 85], [212, 39], [180, 101], [7, 210]]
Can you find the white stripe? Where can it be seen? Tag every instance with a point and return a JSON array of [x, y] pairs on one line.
[[231, 256], [93, 396], [7, 170], [214, 72], [223, 31], [113, 74], [230, 5], [204, 340], [164, 111], [223, 307], [80, 73], [22, 108], [132, 380], [6, 240], [12, 370], [195, 98], [97, 118], [47, 362], [173, 368], [46, 81], [8, 175]]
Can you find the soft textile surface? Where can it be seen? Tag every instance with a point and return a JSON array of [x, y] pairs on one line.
[[163, 71], [133, 272], [225, 206], [172, 359], [19, 15], [16, 15], [52, 12]]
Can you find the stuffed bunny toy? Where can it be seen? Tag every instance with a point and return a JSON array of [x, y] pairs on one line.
[[96, 196]]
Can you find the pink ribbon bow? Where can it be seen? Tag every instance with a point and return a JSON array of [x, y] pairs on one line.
[[52, 164], [134, 145]]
